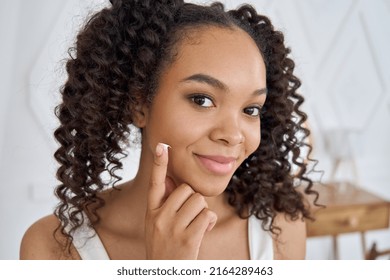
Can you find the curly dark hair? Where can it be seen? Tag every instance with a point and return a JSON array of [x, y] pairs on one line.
[[115, 67]]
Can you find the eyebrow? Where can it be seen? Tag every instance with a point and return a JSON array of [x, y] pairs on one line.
[[207, 79], [260, 91]]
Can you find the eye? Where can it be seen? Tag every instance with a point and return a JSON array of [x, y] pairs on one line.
[[202, 101], [253, 111]]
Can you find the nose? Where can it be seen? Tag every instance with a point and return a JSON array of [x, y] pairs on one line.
[[228, 131]]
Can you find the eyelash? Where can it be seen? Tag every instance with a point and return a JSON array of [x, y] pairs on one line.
[[202, 97], [258, 108]]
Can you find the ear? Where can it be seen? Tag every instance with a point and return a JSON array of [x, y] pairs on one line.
[[140, 115]]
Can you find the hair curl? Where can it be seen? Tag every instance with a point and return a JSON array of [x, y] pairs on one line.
[[115, 66]]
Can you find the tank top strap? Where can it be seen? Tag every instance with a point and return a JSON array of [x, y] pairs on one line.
[[87, 242], [260, 241]]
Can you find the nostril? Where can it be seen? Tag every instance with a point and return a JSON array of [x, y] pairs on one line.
[[230, 138]]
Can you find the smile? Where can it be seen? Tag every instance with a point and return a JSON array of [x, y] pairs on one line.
[[219, 165]]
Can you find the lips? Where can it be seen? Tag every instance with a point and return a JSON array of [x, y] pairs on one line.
[[219, 165]]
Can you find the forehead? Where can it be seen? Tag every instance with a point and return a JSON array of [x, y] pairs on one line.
[[228, 54]]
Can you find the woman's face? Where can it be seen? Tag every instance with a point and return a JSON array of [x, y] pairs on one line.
[[207, 108]]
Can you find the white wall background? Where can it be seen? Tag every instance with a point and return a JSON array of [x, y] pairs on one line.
[[342, 53]]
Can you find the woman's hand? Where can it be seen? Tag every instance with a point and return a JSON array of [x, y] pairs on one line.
[[175, 222]]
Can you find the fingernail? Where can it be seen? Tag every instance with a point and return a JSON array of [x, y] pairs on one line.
[[159, 149], [212, 224], [166, 146]]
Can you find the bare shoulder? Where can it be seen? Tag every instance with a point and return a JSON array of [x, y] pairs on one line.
[[290, 244], [40, 243]]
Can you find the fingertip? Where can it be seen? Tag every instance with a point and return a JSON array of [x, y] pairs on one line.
[[213, 221], [161, 148], [165, 146]]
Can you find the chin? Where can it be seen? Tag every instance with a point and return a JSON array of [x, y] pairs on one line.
[[210, 189]]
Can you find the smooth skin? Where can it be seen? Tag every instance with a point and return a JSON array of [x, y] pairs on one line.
[[207, 105]]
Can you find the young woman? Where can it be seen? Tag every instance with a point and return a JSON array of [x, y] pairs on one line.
[[214, 97]]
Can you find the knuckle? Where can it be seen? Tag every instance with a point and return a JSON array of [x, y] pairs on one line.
[[157, 229], [208, 214], [153, 183], [157, 162], [158, 224], [187, 188], [189, 242], [200, 199]]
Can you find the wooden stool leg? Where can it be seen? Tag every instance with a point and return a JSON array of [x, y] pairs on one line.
[[335, 248], [363, 241], [372, 253]]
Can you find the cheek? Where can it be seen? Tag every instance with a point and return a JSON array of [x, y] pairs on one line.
[[173, 126], [253, 140], [177, 129]]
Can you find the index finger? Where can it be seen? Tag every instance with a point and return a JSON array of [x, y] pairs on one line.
[[157, 180]]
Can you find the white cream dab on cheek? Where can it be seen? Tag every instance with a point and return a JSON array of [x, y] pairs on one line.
[[166, 146]]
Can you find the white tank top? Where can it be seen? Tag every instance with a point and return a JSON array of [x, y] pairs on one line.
[[90, 247]]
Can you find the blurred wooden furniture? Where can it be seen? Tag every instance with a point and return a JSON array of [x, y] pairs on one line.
[[348, 209], [374, 254]]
